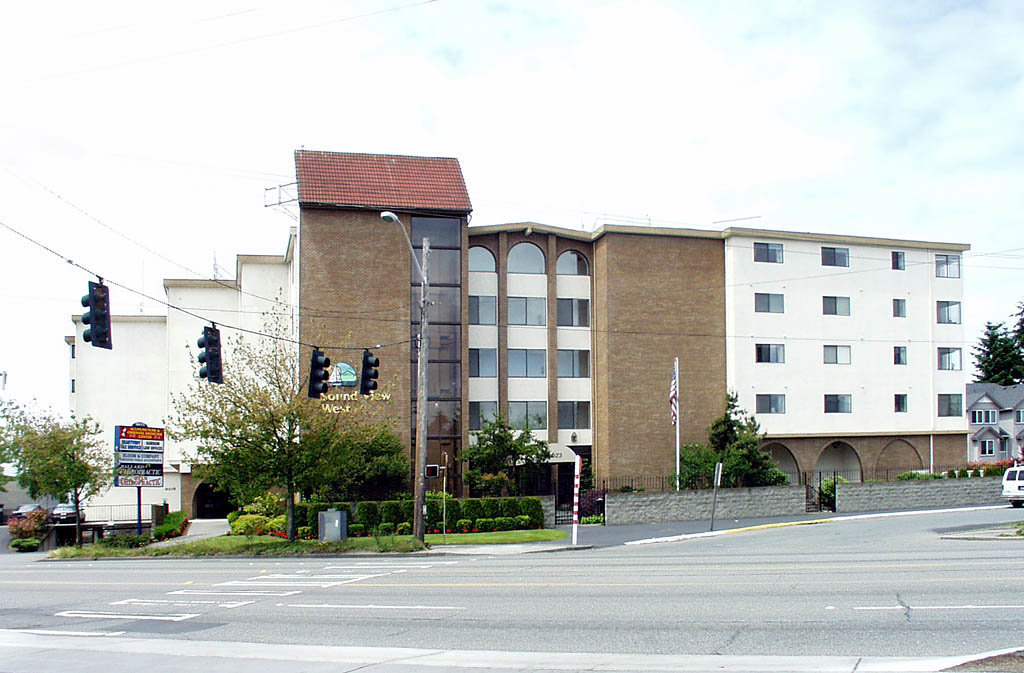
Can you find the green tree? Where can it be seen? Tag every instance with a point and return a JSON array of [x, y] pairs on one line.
[[503, 458], [696, 465], [60, 459], [999, 357], [735, 439], [365, 462]]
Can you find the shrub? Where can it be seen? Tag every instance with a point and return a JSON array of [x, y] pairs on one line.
[[386, 528], [391, 512], [174, 525], [951, 474], [433, 513], [278, 524], [522, 522], [492, 507], [472, 509], [356, 530], [301, 514], [305, 532], [964, 474], [592, 519], [403, 528], [453, 514], [533, 508], [33, 525], [504, 523], [485, 524], [994, 471], [827, 494], [510, 507], [26, 544], [232, 516], [439, 527], [917, 476], [464, 526], [124, 541], [368, 514], [268, 505], [247, 524]]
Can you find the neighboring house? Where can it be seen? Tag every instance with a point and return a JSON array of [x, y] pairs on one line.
[[996, 417]]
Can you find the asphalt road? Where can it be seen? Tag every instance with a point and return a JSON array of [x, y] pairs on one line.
[[886, 593]]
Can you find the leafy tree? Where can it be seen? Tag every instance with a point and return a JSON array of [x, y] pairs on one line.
[[503, 458], [365, 462], [999, 357], [696, 465], [60, 459]]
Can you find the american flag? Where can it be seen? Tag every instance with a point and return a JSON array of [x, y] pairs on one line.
[[673, 397]]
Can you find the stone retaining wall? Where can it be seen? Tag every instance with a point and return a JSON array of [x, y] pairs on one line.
[[623, 508], [547, 502], [901, 495]]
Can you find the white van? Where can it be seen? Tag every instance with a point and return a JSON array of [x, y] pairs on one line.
[[1013, 485]]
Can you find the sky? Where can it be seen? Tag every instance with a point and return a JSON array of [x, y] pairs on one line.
[[137, 139]]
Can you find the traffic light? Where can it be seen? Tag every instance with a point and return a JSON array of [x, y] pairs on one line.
[[319, 372], [98, 315], [367, 379], [209, 357]]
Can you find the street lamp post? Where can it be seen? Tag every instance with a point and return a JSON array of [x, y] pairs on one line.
[[420, 459]]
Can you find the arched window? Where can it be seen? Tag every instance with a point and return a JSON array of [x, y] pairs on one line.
[[572, 263], [525, 258], [480, 259]]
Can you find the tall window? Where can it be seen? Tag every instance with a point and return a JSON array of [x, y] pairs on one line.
[[899, 308], [574, 415], [987, 447], [483, 310], [768, 303], [770, 404], [527, 311], [949, 359], [899, 260], [837, 355], [572, 263], [479, 412], [768, 252], [533, 414], [947, 266], [835, 256], [480, 259], [573, 364], [835, 305], [838, 404], [900, 403], [527, 362], [899, 355], [574, 312], [948, 312], [525, 258], [769, 353], [483, 362], [951, 405]]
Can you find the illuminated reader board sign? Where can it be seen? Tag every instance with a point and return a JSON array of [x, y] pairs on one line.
[[138, 456]]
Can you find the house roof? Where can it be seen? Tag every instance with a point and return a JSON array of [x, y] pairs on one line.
[[381, 181], [993, 430], [1006, 397]]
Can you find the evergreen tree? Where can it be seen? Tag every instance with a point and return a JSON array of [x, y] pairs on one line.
[[998, 356]]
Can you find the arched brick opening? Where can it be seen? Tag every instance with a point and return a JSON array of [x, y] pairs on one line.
[[840, 458]]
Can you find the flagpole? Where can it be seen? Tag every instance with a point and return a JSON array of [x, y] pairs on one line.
[[675, 376]]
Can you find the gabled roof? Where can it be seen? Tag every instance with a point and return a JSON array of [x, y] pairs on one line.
[[1005, 397], [381, 181], [993, 430]]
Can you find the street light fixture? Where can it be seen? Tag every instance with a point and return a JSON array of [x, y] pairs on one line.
[[420, 461]]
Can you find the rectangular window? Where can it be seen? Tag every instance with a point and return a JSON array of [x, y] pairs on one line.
[[947, 312], [769, 353], [899, 355], [573, 364], [899, 308], [838, 404], [574, 415], [835, 256], [528, 363], [770, 404], [528, 414], [1020, 415], [949, 359], [483, 362], [837, 355], [483, 310], [72, 385], [768, 252], [768, 303], [987, 447], [951, 405], [479, 412], [947, 266], [574, 312], [527, 311], [835, 305], [899, 402], [984, 417], [899, 260]]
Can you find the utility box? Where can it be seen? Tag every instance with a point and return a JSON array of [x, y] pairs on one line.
[[333, 525]]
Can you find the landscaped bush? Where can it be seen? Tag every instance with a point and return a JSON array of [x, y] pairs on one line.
[[301, 514], [510, 507], [950, 474], [26, 544], [453, 513], [356, 530], [174, 525], [505, 523], [463, 526], [386, 528], [827, 494], [533, 508], [433, 512], [247, 524], [472, 509], [368, 514], [485, 524], [278, 524], [917, 476], [522, 522], [391, 512], [964, 474], [32, 525], [403, 528], [592, 519], [407, 507], [232, 516], [305, 532], [124, 541], [268, 505], [492, 507]]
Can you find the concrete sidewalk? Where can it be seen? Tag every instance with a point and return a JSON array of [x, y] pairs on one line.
[[198, 529]]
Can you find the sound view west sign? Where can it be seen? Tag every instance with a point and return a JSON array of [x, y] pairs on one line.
[[138, 456]]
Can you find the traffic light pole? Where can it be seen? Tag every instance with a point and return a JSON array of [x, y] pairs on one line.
[[420, 489]]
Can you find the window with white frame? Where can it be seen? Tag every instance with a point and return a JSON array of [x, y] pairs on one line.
[[949, 359], [768, 252], [947, 266], [835, 305], [532, 414], [837, 355], [899, 355], [770, 404], [838, 404], [947, 312], [899, 260], [768, 303], [835, 256], [769, 353], [984, 417], [573, 415], [899, 308], [527, 363], [951, 404], [987, 447], [899, 403]]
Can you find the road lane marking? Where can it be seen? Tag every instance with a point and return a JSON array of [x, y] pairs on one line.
[[113, 615], [915, 608], [373, 607], [181, 603], [79, 634], [202, 592]]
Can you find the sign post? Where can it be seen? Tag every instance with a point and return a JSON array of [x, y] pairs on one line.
[[138, 460], [714, 498], [576, 499]]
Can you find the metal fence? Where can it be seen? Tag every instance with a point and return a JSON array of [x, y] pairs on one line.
[[115, 513]]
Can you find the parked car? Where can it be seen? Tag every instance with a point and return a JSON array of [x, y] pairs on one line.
[[1013, 486], [64, 513], [23, 510]]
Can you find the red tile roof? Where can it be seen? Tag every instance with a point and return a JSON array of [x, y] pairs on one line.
[[381, 181]]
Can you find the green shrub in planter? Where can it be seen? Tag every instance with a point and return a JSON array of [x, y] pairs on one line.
[[485, 524], [505, 523], [356, 530], [174, 525], [453, 514], [247, 524], [964, 474], [463, 526], [386, 528], [510, 507], [404, 528], [391, 512], [268, 505], [368, 514], [951, 474], [278, 524], [522, 522], [26, 544], [472, 509], [232, 516], [492, 507], [533, 508], [305, 532]]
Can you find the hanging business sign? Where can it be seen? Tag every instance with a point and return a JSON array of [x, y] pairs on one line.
[[138, 456]]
